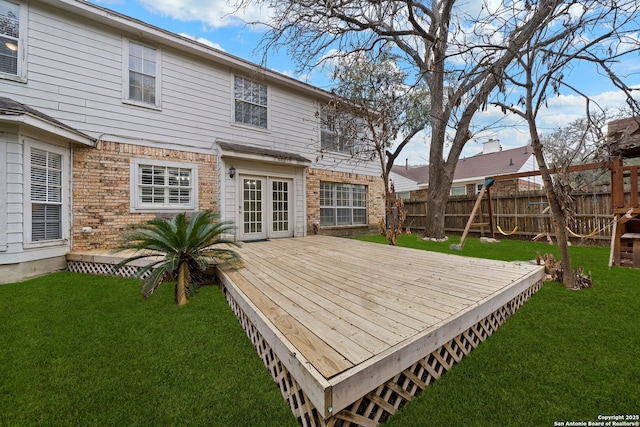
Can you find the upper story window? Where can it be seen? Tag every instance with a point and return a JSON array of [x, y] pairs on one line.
[[331, 138], [163, 186], [10, 43], [143, 76], [250, 102]]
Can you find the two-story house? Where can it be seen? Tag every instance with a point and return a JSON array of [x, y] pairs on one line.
[[106, 122]]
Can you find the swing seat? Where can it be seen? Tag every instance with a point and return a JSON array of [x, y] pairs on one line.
[[574, 234], [504, 233]]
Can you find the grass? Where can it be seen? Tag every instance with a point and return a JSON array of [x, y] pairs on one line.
[[87, 350], [82, 350], [564, 356]]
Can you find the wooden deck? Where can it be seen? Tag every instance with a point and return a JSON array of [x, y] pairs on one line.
[[351, 331], [339, 322]]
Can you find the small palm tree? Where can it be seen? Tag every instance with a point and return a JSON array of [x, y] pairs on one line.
[[185, 245]]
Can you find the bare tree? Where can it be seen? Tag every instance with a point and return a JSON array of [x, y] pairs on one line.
[[583, 140], [374, 108], [459, 49], [539, 74]]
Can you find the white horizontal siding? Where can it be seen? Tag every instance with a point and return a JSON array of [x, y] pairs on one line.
[[3, 194], [401, 183], [12, 197], [75, 74]]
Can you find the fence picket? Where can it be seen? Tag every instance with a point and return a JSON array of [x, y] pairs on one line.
[[524, 209]]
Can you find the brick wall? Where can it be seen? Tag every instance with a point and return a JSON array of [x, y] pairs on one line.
[[375, 195], [101, 189]]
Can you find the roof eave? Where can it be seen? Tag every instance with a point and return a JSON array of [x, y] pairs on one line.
[[142, 29], [34, 122]]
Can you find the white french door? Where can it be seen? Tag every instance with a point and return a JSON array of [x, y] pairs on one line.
[[265, 208]]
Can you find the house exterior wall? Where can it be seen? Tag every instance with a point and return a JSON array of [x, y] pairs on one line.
[[231, 191], [20, 256], [75, 74], [375, 201], [74, 69], [102, 186]]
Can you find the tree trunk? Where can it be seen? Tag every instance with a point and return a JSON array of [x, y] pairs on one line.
[[436, 206], [557, 213], [181, 286]]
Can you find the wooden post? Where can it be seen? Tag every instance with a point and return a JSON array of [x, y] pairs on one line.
[[473, 215], [617, 185], [490, 208], [615, 244]]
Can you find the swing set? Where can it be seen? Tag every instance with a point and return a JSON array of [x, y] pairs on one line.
[[486, 189]]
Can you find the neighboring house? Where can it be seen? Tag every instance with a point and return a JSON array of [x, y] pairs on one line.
[[106, 122], [413, 181]]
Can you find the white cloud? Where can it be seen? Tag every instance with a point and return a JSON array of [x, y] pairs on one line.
[[513, 132], [214, 14], [202, 40]]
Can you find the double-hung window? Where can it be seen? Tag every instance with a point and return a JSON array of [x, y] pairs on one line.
[[10, 43], [331, 137], [142, 74], [343, 204], [163, 186], [46, 189], [250, 102]]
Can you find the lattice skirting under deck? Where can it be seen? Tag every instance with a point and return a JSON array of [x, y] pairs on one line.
[[104, 269], [379, 404]]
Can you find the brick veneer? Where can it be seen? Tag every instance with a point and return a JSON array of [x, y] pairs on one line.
[[375, 196], [101, 189]]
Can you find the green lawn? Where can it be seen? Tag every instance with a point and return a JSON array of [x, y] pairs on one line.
[[564, 356], [82, 350]]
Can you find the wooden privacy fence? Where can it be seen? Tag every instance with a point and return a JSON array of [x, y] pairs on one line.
[[526, 210]]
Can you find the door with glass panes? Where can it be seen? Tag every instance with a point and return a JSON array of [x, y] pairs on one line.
[[265, 208]]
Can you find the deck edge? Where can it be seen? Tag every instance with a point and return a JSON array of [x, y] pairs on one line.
[[296, 377], [379, 402], [359, 380]]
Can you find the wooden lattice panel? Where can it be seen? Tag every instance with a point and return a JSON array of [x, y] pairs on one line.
[[291, 391], [379, 404], [103, 269]]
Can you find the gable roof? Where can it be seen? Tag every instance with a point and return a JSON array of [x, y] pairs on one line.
[[16, 112], [478, 166]]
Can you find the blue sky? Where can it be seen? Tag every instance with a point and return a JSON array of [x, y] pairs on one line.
[[216, 23]]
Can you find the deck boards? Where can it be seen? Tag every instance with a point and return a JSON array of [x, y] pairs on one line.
[[344, 317], [362, 299]]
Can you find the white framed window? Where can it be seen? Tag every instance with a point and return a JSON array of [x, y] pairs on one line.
[[479, 188], [329, 136], [458, 190], [332, 133], [142, 76], [46, 194], [160, 186], [343, 204], [12, 40], [250, 102]]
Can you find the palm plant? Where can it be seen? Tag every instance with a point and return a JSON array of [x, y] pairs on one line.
[[184, 245]]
